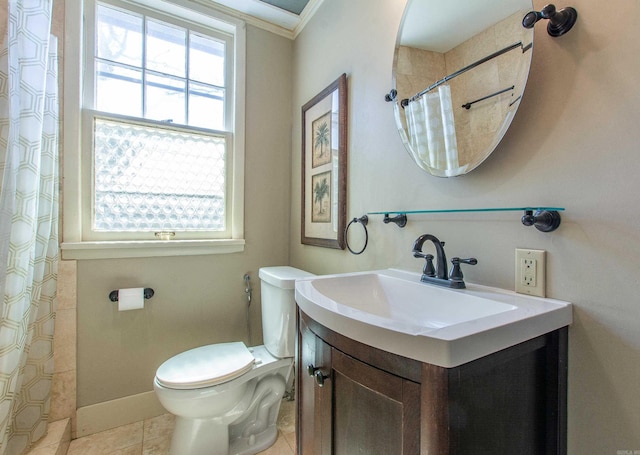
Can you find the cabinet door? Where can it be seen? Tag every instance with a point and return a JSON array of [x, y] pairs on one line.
[[374, 412], [314, 401], [348, 407]]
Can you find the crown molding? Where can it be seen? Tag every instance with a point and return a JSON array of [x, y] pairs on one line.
[[265, 16], [307, 13]]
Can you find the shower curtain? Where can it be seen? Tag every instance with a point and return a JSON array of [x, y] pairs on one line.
[[432, 130], [28, 222]]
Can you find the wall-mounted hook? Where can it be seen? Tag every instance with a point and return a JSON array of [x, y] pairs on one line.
[[543, 220], [560, 22], [400, 219]]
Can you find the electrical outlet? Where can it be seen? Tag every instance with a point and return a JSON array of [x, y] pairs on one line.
[[530, 272]]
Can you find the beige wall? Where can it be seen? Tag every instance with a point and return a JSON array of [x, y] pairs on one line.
[[574, 143], [198, 299]]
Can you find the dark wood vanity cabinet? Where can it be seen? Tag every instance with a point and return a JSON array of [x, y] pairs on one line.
[[356, 399]]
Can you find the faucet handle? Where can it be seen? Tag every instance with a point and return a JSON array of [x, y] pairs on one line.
[[429, 269], [456, 271], [470, 261]]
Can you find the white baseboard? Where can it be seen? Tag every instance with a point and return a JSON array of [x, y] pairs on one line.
[[115, 413]]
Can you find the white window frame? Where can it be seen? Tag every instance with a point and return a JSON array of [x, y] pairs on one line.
[[78, 241]]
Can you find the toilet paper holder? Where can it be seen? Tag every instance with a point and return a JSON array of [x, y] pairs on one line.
[[147, 293]]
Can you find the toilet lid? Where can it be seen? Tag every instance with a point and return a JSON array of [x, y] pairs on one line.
[[205, 366]]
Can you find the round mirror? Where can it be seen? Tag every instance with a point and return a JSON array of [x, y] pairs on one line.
[[459, 72]]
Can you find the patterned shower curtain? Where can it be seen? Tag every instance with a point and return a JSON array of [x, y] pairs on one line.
[[28, 222], [432, 130]]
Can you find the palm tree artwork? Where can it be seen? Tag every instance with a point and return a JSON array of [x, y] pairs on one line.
[[324, 158], [321, 130], [320, 212], [322, 137]]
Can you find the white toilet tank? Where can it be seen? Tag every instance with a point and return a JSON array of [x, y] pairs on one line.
[[279, 308]]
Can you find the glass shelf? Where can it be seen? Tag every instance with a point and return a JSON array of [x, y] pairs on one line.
[[545, 219]]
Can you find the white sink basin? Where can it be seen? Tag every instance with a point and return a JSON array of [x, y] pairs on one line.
[[394, 311]]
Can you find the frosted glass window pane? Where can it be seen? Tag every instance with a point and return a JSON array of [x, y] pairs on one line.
[[166, 48], [154, 179], [206, 106], [118, 89], [119, 36], [206, 60], [165, 99]]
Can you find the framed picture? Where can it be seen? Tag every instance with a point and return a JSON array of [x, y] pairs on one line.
[[324, 167]]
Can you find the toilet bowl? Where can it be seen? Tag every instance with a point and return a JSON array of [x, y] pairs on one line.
[[226, 396], [237, 416]]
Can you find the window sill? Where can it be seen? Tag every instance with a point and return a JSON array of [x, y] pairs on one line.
[[149, 248]]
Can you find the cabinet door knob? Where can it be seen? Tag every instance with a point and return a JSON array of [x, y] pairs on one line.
[[311, 369], [320, 378]]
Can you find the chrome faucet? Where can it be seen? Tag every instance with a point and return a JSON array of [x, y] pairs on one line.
[[439, 275]]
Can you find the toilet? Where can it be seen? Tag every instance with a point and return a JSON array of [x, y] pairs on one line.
[[226, 396]]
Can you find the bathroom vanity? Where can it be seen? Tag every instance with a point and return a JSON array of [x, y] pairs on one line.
[[364, 400], [356, 397]]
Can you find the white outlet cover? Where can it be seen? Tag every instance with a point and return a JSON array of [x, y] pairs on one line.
[[530, 272]]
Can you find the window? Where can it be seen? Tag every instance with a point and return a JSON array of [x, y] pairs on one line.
[[154, 69], [150, 178], [161, 126]]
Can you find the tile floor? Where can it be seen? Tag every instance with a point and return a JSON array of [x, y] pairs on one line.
[[56, 442], [153, 437]]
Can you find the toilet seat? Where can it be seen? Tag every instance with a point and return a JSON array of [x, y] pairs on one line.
[[205, 366]]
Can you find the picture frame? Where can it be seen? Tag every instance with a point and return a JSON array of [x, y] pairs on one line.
[[324, 167]]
